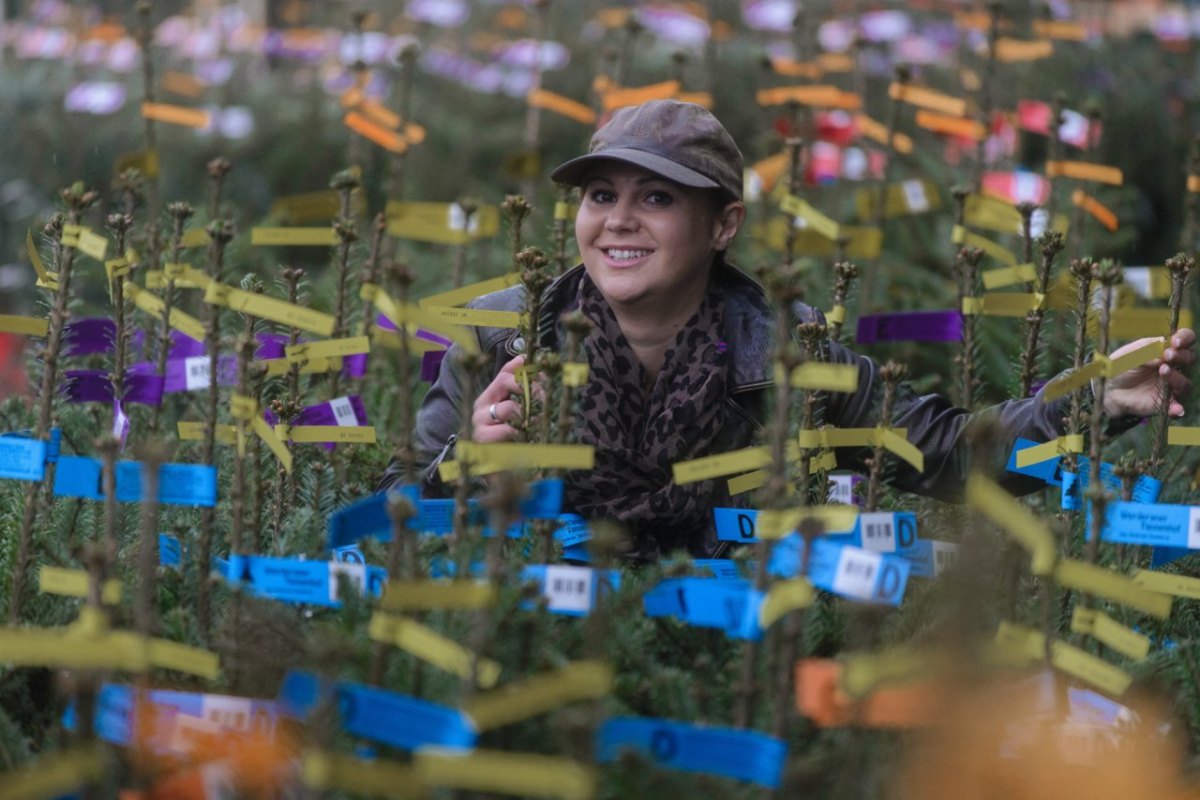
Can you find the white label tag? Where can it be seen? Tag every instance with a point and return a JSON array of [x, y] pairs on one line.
[[1194, 528], [841, 489], [1138, 279], [457, 219], [945, 556], [196, 372], [343, 411], [857, 571], [230, 713], [878, 531], [568, 588], [1037, 223], [914, 195], [1026, 187], [1074, 128], [356, 572]]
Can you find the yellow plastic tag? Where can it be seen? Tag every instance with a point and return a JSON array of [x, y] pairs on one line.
[[50, 279], [1075, 379], [465, 294], [74, 583], [972, 306], [440, 223], [269, 308], [813, 219], [863, 672], [1007, 276], [826, 377], [1134, 323], [1002, 509], [293, 237], [529, 697], [182, 658], [783, 597], [1089, 668], [320, 434], [1044, 452], [54, 775], [1014, 50], [331, 348], [410, 314], [1117, 588], [1135, 358], [322, 771], [1060, 29], [506, 455], [1022, 642], [522, 774], [1180, 435], [701, 469], [276, 445], [194, 431], [1107, 630], [823, 461], [836, 315], [960, 235], [152, 304], [456, 594], [93, 244], [900, 447], [777, 524], [26, 326], [196, 237], [475, 317], [1166, 583], [575, 374], [430, 646]]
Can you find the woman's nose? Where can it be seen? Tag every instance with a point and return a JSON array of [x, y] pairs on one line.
[[621, 217]]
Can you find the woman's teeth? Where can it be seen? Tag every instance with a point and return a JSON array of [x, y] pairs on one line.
[[627, 255]]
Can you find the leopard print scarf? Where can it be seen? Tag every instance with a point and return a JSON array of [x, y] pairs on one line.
[[638, 435]]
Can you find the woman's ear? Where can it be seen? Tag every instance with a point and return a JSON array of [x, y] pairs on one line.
[[727, 224]]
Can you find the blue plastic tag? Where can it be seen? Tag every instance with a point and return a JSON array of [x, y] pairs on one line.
[[858, 574], [570, 590], [885, 531], [22, 459], [170, 551], [78, 476], [1074, 485], [572, 530], [928, 558], [725, 569], [54, 446], [730, 752], [291, 580], [366, 517], [390, 718], [178, 484], [350, 554], [730, 605], [1161, 556], [736, 524], [1159, 524]]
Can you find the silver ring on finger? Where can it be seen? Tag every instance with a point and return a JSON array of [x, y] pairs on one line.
[[492, 413]]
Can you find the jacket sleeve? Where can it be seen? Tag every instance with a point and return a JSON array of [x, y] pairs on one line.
[[436, 430], [940, 431]]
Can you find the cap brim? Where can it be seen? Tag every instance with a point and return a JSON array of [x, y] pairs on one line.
[[575, 171]]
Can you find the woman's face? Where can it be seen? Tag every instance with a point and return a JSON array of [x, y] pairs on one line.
[[646, 240]]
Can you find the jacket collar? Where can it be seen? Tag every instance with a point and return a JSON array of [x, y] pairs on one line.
[[748, 322]]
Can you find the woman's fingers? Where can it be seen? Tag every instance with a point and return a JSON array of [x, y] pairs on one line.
[[494, 410]]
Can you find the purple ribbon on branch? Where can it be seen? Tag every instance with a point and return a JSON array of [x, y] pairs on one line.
[[910, 326]]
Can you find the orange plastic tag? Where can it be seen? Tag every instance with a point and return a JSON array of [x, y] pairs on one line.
[[951, 126], [835, 62], [176, 115], [796, 69], [824, 96], [928, 98], [1193, 183], [388, 140], [619, 98], [1060, 29], [1097, 209], [379, 114], [1083, 171], [571, 109], [182, 84], [699, 98], [819, 697], [877, 131], [1012, 50]]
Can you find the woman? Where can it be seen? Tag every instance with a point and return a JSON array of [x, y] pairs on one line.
[[680, 354]]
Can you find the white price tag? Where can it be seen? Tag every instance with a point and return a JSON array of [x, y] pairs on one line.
[[457, 219], [230, 713], [1194, 528], [196, 372], [878, 531], [1138, 279], [914, 195], [357, 573], [343, 411], [841, 489], [1074, 128], [857, 571], [945, 556], [1026, 187], [1037, 223], [568, 588]]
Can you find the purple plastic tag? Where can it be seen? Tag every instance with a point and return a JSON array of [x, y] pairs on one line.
[[910, 326], [191, 373], [91, 335], [184, 346], [339, 411], [86, 386], [271, 345], [384, 322], [430, 336], [431, 365], [143, 386], [354, 366]]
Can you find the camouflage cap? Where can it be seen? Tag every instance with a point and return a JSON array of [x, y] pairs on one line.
[[682, 142]]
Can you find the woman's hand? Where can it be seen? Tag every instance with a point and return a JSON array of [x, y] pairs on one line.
[[1137, 392], [493, 408]]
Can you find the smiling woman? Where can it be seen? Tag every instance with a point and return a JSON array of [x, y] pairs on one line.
[[679, 356]]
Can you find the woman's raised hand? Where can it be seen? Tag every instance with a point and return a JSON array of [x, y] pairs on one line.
[[1137, 391], [493, 408]]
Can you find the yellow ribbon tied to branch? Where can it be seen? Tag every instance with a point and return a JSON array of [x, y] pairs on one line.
[[245, 410]]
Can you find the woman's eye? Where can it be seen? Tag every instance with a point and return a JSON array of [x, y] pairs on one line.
[[600, 196], [659, 199]]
